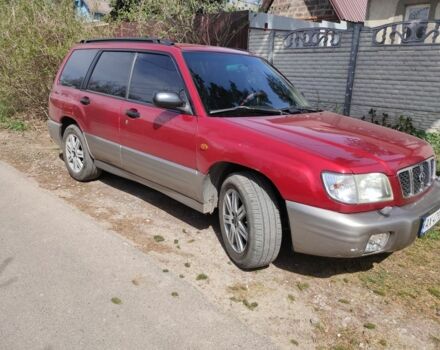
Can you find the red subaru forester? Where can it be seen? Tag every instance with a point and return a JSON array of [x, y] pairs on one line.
[[218, 128]]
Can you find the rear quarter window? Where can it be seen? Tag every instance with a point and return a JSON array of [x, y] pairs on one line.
[[111, 74], [76, 68]]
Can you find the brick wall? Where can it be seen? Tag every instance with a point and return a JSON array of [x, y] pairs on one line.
[[304, 9]]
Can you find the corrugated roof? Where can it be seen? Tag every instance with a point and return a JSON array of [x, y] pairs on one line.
[[350, 10]]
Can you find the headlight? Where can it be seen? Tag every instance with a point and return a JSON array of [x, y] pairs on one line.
[[357, 189]]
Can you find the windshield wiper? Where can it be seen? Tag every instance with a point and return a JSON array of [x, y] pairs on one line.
[[298, 110], [247, 108]]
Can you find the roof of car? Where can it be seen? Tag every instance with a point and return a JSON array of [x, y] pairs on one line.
[[196, 47], [142, 41]]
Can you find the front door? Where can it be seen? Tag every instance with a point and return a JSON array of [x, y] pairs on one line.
[[158, 144]]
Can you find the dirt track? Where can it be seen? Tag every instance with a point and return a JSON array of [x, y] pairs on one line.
[[376, 302]]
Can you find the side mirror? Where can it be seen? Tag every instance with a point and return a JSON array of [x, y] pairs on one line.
[[170, 100]]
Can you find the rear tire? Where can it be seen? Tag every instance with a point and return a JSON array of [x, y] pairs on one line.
[[250, 220], [77, 158]]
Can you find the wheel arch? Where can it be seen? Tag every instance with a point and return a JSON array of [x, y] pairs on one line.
[[66, 121], [219, 171]]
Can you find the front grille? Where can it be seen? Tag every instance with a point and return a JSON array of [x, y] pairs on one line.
[[417, 178]]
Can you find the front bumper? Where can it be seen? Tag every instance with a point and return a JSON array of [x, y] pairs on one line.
[[324, 232]]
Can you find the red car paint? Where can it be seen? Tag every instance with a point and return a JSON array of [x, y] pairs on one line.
[[291, 151]]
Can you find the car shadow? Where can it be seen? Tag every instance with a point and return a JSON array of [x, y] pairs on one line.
[[180, 211], [322, 267], [287, 260]]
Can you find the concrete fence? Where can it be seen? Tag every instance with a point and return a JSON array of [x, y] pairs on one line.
[[394, 69]]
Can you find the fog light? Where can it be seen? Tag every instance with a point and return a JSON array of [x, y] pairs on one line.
[[377, 242]]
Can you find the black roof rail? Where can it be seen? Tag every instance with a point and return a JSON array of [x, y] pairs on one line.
[[128, 39]]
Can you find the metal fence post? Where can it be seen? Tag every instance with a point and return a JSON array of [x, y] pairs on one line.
[[271, 45], [352, 66]]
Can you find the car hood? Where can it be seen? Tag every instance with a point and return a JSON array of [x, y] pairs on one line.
[[347, 141]]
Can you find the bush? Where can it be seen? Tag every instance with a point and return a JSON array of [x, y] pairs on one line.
[[192, 21], [36, 36], [405, 124]]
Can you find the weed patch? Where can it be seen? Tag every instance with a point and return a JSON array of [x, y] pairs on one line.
[[369, 325], [158, 239], [201, 277], [302, 286], [116, 301], [434, 292]]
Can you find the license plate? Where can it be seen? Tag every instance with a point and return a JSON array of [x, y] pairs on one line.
[[429, 222]]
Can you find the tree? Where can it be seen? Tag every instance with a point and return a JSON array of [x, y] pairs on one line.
[[194, 21], [266, 5]]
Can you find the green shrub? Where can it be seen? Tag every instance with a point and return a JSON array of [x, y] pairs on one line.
[[405, 124], [193, 21], [35, 37]]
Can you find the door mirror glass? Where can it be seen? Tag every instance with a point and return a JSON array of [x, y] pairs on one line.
[[168, 100]]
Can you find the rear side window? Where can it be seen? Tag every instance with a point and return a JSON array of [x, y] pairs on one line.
[[153, 73], [111, 73], [76, 67]]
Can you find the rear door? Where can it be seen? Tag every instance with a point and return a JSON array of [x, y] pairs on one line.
[[106, 90], [159, 144]]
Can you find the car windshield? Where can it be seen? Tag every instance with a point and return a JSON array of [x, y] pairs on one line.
[[237, 83]]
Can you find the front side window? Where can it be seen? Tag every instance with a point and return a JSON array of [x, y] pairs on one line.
[[236, 81], [154, 73], [76, 68], [111, 73]]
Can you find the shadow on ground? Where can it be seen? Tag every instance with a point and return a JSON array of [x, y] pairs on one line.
[[306, 265], [3, 266]]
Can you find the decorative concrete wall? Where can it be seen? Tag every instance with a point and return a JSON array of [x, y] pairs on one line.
[[396, 73]]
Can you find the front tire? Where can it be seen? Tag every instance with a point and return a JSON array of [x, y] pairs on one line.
[[250, 220], [76, 155]]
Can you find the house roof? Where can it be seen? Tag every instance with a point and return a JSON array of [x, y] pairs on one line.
[[350, 10], [99, 6]]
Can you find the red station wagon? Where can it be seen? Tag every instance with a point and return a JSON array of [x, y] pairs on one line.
[[219, 128]]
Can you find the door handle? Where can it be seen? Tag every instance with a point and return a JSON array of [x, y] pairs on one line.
[[132, 113], [85, 100]]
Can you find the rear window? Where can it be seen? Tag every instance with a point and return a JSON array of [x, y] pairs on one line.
[[111, 73], [76, 67]]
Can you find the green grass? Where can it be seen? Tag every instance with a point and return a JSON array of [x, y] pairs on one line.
[[116, 301], [201, 277], [158, 238], [433, 234], [434, 292], [9, 122], [377, 281], [369, 325], [434, 139], [302, 286], [251, 306]]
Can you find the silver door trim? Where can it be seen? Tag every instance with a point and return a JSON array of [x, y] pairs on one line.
[[172, 176]]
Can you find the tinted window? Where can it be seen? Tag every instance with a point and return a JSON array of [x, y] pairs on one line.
[[153, 73], [111, 73], [76, 67], [226, 80]]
